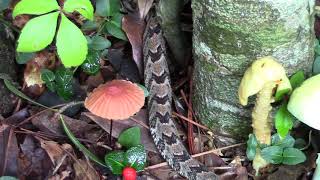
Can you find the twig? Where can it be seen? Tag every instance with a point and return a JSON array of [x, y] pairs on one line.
[[192, 122], [195, 155], [139, 122]]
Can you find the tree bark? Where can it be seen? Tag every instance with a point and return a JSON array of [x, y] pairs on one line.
[[228, 36]]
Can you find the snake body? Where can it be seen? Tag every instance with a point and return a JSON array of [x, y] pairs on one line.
[[162, 128]]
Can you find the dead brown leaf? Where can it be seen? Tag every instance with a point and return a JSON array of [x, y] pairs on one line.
[[134, 28], [144, 7], [119, 126], [8, 151], [49, 122], [84, 171], [55, 151]]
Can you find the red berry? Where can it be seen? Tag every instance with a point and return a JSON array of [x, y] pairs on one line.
[[129, 173]]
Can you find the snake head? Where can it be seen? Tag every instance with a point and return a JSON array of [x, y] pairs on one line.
[[262, 71]]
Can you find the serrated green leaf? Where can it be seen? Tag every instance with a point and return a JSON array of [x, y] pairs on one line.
[[34, 7], [112, 28], [48, 77], [77, 143], [99, 43], [115, 161], [288, 141], [38, 33], [252, 145], [136, 157], [71, 44], [316, 66], [92, 64], [283, 120], [23, 58], [89, 26], [130, 137], [107, 7], [64, 82], [84, 7], [272, 154], [297, 79], [293, 156], [145, 90], [4, 4]]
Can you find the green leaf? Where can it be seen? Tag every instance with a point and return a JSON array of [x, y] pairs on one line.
[[115, 161], [38, 33], [281, 93], [316, 66], [283, 120], [35, 7], [297, 79], [71, 43], [23, 58], [84, 7], [293, 156], [99, 43], [112, 28], [48, 77], [272, 154], [77, 143], [117, 19], [8, 178], [14, 90], [64, 82], [89, 26], [136, 157], [107, 7], [4, 4], [130, 137], [317, 48], [92, 64], [288, 141], [252, 144], [145, 90]]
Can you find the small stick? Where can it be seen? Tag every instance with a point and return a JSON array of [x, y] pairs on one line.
[[192, 122], [139, 122], [195, 155]]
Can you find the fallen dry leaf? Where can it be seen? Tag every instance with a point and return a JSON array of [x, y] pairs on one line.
[[119, 126], [8, 151], [84, 171], [144, 7], [55, 151], [134, 28], [33, 160], [49, 122]]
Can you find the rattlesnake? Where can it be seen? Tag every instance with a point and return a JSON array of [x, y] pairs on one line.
[[162, 128]]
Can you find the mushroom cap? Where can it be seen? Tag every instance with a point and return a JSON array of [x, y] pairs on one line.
[[305, 100], [117, 100], [262, 71]]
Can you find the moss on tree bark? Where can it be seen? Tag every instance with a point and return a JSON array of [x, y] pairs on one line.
[[228, 36]]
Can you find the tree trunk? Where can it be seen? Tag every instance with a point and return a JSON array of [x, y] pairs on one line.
[[228, 36]]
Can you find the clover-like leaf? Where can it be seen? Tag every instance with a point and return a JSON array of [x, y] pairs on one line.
[[130, 137], [71, 43], [92, 64], [293, 156], [99, 43], [113, 28], [84, 7], [115, 161], [35, 7], [287, 141], [64, 82], [272, 154], [38, 33], [48, 77]]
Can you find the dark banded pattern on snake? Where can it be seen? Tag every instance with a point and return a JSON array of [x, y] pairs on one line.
[[162, 128]]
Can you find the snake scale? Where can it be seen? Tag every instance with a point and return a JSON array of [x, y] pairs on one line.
[[162, 128]]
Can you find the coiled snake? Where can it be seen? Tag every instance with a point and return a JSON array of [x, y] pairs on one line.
[[162, 128]]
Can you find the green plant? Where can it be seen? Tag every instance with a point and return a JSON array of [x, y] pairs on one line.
[[61, 81], [39, 32]]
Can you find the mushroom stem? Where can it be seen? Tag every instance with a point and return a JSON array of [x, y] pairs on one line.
[[261, 123]]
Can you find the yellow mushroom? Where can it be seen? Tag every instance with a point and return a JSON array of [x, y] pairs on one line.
[[261, 78]]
